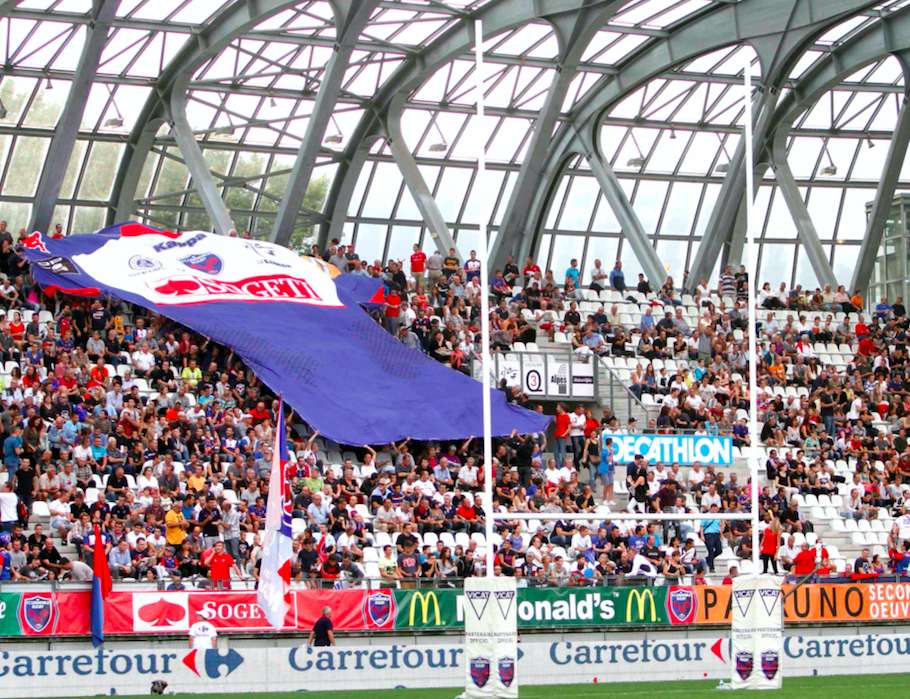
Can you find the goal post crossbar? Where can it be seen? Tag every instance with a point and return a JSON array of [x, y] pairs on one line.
[[652, 517]]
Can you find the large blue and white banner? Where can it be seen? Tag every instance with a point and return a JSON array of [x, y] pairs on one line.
[[304, 335], [670, 448]]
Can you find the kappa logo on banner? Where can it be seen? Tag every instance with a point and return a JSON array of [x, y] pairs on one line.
[[478, 599], [682, 604], [37, 613], [379, 609], [506, 668], [480, 671], [207, 262], [160, 611], [743, 600], [769, 597], [212, 662], [33, 241], [504, 599]]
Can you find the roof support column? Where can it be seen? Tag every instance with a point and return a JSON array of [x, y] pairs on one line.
[[808, 236], [423, 197], [616, 197], [203, 181], [61, 148], [881, 205], [724, 216], [350, 20], [574, 33]]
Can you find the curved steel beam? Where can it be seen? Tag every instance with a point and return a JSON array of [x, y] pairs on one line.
[[748, 21], [233, 21], [497, 17], [889, 36], [351, 17], [573, 32], [54, 167]]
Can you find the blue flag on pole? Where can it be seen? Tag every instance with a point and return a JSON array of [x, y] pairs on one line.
[[304, 335]]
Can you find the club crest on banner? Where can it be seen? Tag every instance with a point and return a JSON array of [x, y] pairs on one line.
[[506, 668], [681, 605], [207, 262], [37, 613], [379, 609], [480, 671], [744, 664], [143, 264], [770, 663]]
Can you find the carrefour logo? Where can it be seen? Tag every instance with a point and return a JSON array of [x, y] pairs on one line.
[[210, 661]]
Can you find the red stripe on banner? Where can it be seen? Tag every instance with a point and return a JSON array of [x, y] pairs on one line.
[[348, 608]]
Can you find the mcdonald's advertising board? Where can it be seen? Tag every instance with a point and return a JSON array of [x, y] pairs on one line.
[[541, 607]]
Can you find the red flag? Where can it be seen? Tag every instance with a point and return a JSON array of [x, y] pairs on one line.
[[99, 564]]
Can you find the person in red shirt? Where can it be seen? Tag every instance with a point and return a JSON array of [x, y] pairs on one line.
[[221, 563], [561, 427], [770, 540], [531, 268], [804, 563], [392, 311], [260, 413], [418, 264]]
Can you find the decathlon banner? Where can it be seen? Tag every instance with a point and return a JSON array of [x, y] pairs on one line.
[[671, 448], [304, 335], [756, 636], [491, 638]]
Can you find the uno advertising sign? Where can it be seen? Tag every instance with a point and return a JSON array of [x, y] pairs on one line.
[[824, 603], [624, 657]]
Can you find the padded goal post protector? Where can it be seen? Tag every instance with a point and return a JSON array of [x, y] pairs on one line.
[[491, 637], [757, 632]]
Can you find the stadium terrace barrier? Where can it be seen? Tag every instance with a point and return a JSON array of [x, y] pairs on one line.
[[66, 613], [575, 659]]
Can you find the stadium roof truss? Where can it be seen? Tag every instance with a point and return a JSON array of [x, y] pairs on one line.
[[613, 127]]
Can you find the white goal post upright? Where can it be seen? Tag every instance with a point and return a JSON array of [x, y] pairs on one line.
[[485, 359], [752, 271]]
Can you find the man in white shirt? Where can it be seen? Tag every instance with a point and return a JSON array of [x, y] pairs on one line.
[[577, 420], [9, 503], [424, 485], [203, 634], [710, 498], [467, 474], [787, 552], [581, 541], [696, 476], [143, 360]]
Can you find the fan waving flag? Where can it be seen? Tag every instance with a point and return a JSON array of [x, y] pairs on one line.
[[274, 595], [101, 587], [303, 332]]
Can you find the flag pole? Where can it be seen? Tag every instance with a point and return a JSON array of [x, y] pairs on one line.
[[752, 272], [485, 362]]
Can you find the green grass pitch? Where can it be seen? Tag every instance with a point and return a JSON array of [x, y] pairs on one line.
[[838, 687]]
